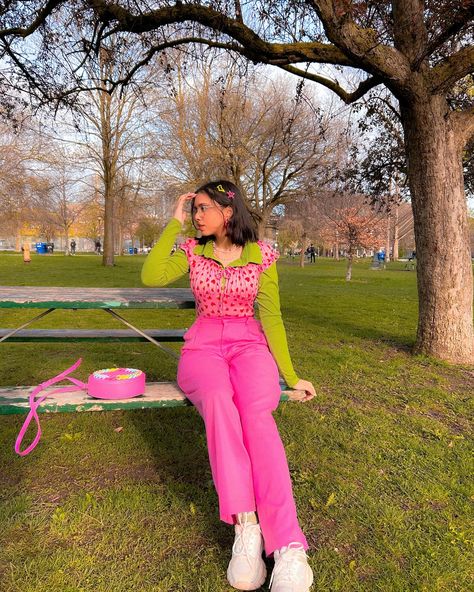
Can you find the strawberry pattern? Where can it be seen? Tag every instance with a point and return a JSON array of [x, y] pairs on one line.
[[225, 291]]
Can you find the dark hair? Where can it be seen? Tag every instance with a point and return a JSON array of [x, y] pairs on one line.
[[242, 226]]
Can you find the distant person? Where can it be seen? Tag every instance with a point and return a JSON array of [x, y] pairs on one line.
[[97, 246], [26, 252], [312, 253], [73, 247], [410, 265]]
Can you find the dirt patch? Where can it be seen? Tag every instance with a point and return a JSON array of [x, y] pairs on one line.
[[55, 490]]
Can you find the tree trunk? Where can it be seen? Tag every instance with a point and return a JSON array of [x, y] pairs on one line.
[[107, 160], [108, 246], [119, 239], [387, 238], [261, 226], [303, 248], [444, 269], [349, 267], [395, 233]]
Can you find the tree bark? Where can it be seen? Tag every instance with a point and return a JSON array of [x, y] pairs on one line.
[[108, 259], [349, 267], [387, 240], [444, 269], [303, 248], [395, 233]]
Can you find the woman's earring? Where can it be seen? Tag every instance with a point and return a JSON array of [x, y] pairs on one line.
[[226, 223]]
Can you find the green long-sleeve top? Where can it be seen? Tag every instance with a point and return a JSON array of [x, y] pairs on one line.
[[161, 268]]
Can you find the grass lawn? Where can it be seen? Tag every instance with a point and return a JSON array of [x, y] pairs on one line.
[[381, 460]]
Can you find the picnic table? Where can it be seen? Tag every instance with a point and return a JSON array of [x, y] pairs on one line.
[[107, 299], [158, 394]]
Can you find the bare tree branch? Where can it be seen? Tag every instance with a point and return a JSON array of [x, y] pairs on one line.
[[453, 68], [361, 45], [347, 97], [461, 18], [464, 122], [410, 34], [238, 11], [254, 46], [39, 20]]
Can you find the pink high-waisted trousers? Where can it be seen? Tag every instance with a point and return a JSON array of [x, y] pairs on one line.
[[227, 371]]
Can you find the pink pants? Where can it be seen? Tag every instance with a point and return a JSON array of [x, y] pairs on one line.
[[227, 371]]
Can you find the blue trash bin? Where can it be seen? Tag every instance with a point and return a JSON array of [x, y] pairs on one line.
[[130, 250], [41, 248]]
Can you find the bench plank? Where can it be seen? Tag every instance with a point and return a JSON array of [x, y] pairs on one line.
[[95, 298], [101, 335], [14, 400]]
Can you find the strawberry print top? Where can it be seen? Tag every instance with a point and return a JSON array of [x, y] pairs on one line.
[[225, 291], [229, 291]]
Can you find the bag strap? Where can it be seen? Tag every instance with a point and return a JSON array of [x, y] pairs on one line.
[[35, 404]]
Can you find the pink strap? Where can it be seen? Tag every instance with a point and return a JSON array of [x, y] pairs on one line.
[[35, 404]]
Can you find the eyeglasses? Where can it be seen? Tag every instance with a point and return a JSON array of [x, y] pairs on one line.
[[201, 208]]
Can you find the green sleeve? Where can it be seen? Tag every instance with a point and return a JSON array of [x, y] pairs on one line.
[[161, 268], [268, 299]]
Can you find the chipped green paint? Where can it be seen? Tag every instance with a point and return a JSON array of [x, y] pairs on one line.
[[12, 403], [95, 304], [94, 298], [116, 304], [16, 407]]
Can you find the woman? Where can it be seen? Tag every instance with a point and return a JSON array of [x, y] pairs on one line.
[[229, 369]]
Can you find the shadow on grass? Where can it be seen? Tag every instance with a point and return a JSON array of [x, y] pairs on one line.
[[360, 328], [176, 440]]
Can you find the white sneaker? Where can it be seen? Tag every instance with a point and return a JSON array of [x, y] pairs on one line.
[[291, 572], [247, 570]]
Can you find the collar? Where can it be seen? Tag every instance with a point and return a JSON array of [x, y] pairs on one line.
[[251, 253]]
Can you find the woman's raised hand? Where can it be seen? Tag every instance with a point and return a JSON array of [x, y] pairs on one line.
[[305, 385], [179, 212]]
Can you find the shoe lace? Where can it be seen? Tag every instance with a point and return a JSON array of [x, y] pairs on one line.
[[286, 564], [247, 540]]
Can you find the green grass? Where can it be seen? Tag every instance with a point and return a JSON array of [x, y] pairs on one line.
[[381, 460]]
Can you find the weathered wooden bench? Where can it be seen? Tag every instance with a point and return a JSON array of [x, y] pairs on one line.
[[157, 394], [14, 400]]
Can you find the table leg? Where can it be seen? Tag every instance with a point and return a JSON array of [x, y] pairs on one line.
[[26, 324], [117, 316]]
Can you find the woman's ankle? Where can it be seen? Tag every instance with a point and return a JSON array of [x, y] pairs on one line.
[[249, 517]]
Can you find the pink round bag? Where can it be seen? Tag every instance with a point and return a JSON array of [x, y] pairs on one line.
[[116, 383], [110, 383]]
